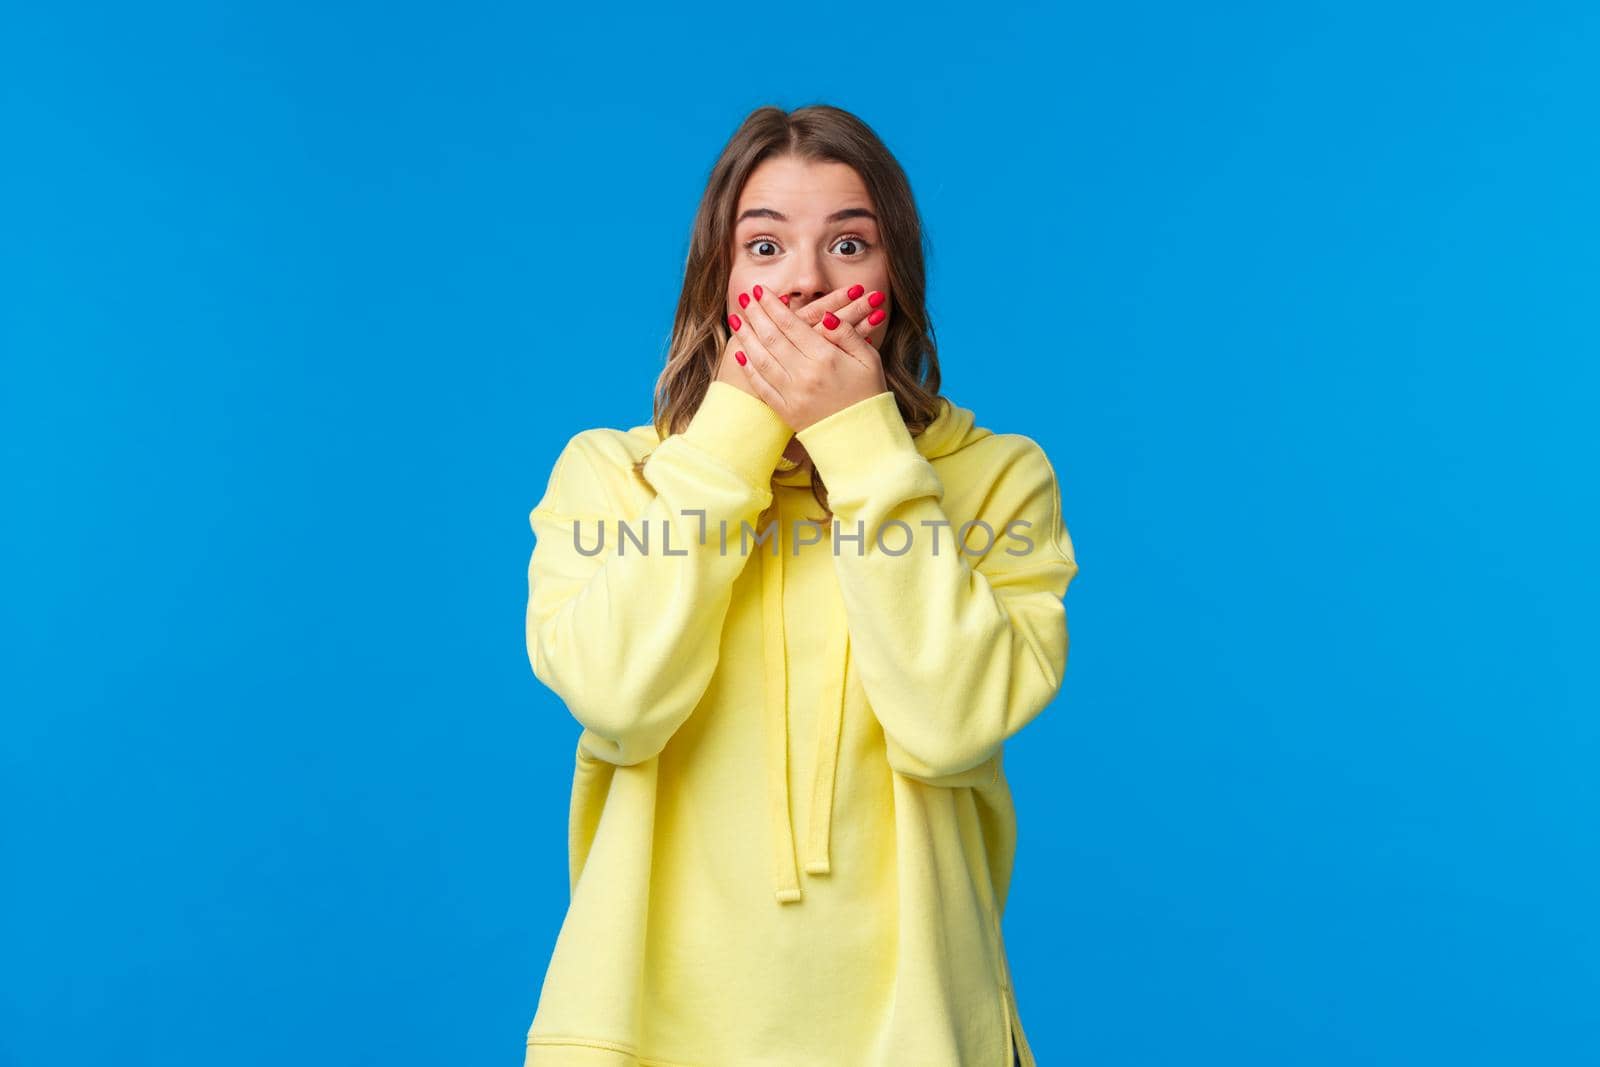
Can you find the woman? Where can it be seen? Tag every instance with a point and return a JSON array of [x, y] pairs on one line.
[[790, 836]]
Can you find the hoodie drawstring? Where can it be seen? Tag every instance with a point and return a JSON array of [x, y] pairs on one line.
[[829, 721]]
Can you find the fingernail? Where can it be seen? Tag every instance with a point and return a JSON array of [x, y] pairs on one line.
[[740, 357], [877, 316], [744, 299], [733, 323], [875, 298], [758, 292], [830, 320], [785, 299], [855, 291]]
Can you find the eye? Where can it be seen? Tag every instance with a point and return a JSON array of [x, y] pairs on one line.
[[856, 240]]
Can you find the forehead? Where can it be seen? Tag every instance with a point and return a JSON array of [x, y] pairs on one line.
[[801, 188]]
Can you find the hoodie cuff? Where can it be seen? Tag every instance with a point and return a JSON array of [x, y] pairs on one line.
[[740, 430], [861, 445]]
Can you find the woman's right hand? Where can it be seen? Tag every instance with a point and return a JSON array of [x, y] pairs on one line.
[[851, 311], [728, 370]]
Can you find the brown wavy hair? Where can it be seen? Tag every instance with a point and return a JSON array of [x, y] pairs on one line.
[[817, 133]]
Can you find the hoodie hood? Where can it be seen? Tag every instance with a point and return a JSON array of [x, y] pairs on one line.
[[952, 429]]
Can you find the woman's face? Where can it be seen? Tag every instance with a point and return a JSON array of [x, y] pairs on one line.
[[806, 229]]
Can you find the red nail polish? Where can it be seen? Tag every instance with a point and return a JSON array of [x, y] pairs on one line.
[[830, 320], [855, 291], [877, 316], [875, 299], [733, 323], [740, 357], [785, 299], [744, 300], [758, 292]]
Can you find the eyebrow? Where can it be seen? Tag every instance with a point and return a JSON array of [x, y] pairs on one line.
[[837, 216]]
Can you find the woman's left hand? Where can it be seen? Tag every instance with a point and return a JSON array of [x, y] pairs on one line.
[[804, 373]]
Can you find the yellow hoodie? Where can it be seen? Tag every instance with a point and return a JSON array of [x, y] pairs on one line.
[[790, 836]]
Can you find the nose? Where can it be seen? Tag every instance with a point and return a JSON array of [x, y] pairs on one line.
[[808, 281]]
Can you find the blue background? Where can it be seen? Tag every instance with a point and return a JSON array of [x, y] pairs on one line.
[[301, 301]]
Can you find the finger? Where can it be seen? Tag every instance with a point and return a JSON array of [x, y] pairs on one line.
[[853, 342], [866, 306], [776, 326], [756, 351], [832, 326], [839, 307], [759, 383], [874, 319], [841, 297], [728, 369], [786, 335]]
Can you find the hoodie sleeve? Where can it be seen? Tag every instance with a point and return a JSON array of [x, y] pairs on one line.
[[629, 639], [957, 653]]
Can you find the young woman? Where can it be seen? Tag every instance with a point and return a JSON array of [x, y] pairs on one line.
[[790, 834]]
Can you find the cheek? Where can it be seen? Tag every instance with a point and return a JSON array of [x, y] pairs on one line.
[[880, 282]]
